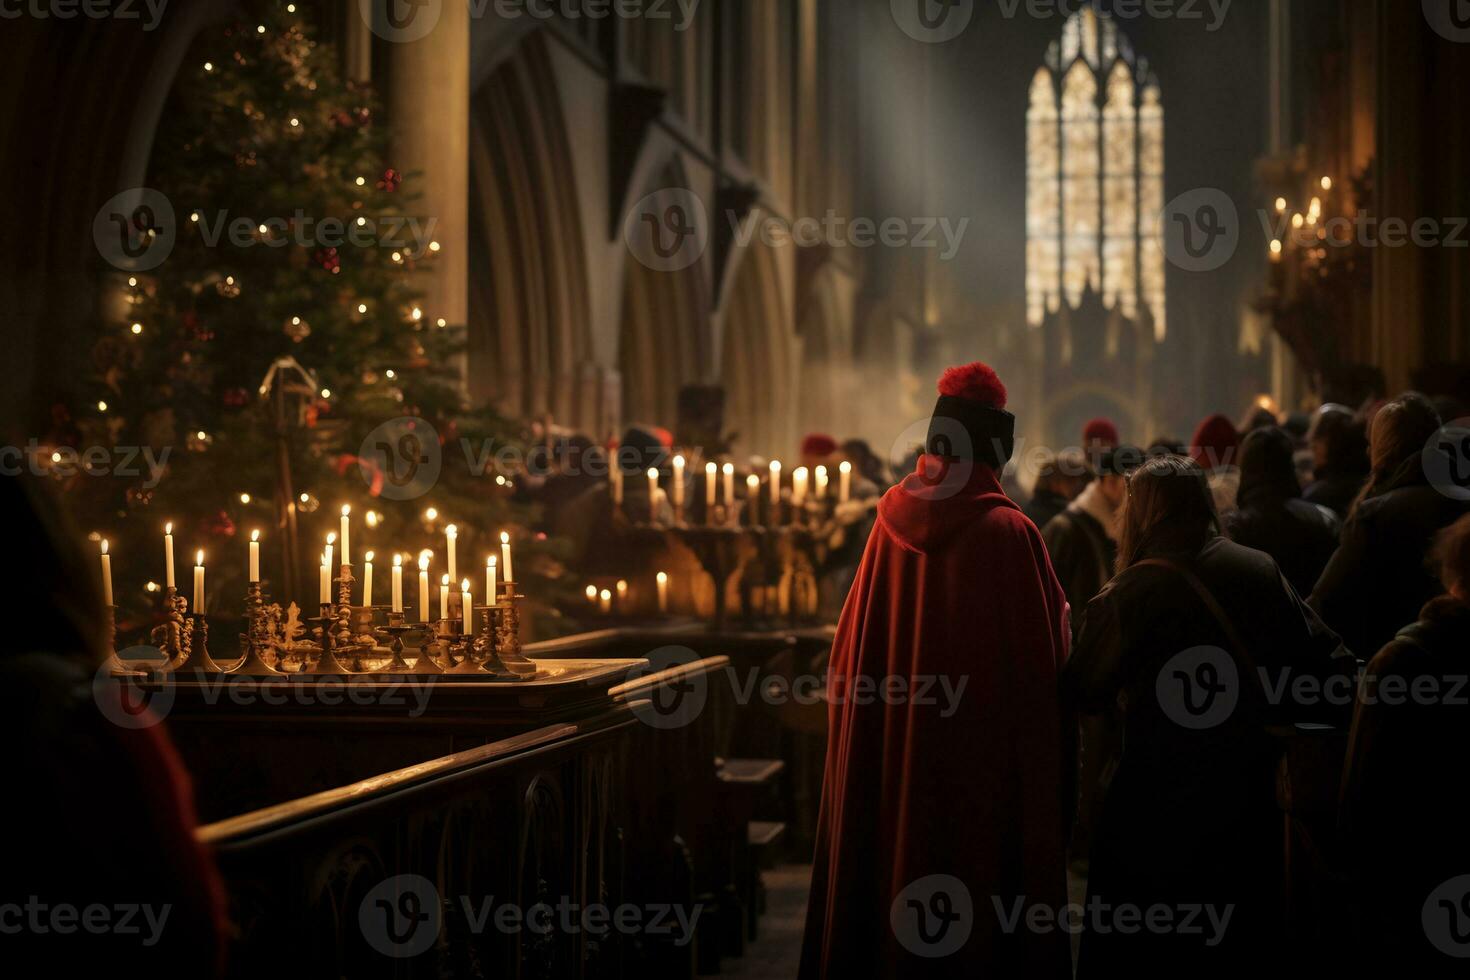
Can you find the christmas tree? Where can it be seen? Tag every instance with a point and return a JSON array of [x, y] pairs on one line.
[[281, 353]]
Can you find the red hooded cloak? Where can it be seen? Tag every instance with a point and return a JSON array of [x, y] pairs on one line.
[[960, 772]]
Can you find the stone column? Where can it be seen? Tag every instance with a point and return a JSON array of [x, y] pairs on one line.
[[426, 87]]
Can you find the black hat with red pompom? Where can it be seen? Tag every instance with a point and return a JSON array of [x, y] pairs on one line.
[[970, 420]]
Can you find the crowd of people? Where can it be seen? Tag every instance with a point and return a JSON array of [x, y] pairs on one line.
[[1280, 576]]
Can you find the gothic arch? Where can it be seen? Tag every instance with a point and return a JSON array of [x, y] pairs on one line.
[[758, 362], [826, 378], [529, 336], [664, 333]]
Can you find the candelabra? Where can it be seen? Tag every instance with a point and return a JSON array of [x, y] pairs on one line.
[[426, 664], [173, 638], [200, 660], [396, 629], [113, 663], [326, 661], [257, 637]]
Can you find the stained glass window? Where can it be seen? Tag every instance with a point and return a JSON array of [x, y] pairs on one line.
[[1095, 175]]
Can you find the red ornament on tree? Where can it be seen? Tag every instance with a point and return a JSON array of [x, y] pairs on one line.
[[390, 180]]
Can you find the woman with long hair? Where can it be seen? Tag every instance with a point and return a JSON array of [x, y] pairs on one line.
[[1184, 649], [103, 867], [1378, 579]]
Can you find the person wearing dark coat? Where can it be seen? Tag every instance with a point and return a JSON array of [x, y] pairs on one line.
[[1272, 517], [1339, 459], [1377, 581], [1174, 648], [1059, 479], [1083, 539], [1404, 801]]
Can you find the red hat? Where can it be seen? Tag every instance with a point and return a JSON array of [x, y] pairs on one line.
[[1216, 443], [818, 444], [970, 420], [1101, 432]]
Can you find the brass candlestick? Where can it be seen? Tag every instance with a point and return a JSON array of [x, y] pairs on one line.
[[326, 661], [112, 662], [200, 659], [173, 638], [396, 629], [256, 638], [508, 633], [426, 664]]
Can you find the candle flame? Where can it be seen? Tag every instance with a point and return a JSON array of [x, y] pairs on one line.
[[606, 595], [491, 562], [729, 467], [679, 461], [168, 528], [775, 466], [254, 535], [505, 537], [663, 578], [368, 556], [822, 472], [846, 467], [423, 563], [464, 586], [451, 530], [445, 580], [104, 546], [800, 472], [199, 558], [622, 586], [397, 561], [652, 473], [591, 592], [346, 509], [752, 480], [332, 538], [711, 468]]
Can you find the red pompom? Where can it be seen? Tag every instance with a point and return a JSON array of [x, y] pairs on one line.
[[974, 382], [1101, 431], [818, 444]]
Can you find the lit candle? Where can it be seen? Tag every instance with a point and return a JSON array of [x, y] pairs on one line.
[[622, 591], [663, 592], [844, 482], [254, 556], [821, 483], [424, 587], [753, 496], [729, 473], [492, 581], [168, 555], [467, 607], [451, 533], [678, 482], [510, 575], [367, 580], [652, 495], [199, 583], [615, 480], [775, 484], [444, 598], [591, 593], [606, 601], [346, 536], [798, 485], [331, 542], [106, 575], [711, 480], [326, 580], [398, 583]]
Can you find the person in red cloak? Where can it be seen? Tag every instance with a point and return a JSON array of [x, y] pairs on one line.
[[946, 797]]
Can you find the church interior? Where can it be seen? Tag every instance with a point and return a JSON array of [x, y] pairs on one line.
[[579, 357]]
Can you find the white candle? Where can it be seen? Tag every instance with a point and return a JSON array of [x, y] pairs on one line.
[[326, 582], [663, 592], [592, 593], [451, 534], [775, 483], [398, 583], [752, 496], [652, 495], [506, 567], [254, 556], [492, 581], [622, 590], [844, 482], [798, 485], [729, 474], [423, 588], [606, 601], [331, 541], [168, 554], [444, 598], [678, 481], [106, 575], [199, 584], [711, 479], [346, 536], [467, 607], [367, 579], [821, 483], [615, 480]]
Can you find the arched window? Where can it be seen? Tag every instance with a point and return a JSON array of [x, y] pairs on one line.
[[1095, 176]]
